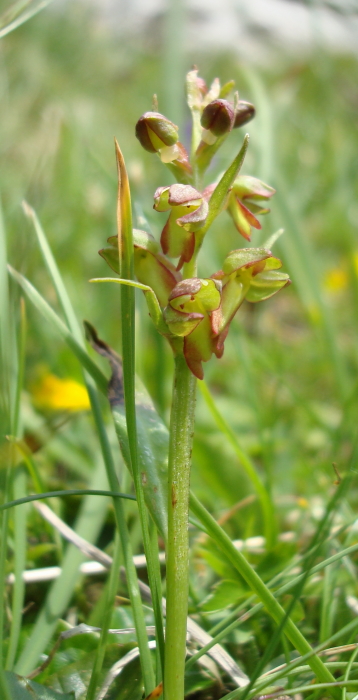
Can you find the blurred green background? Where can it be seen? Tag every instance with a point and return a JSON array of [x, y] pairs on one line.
[[71, 80]]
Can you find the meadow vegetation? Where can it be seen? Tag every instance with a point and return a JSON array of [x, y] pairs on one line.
[[275, 447]]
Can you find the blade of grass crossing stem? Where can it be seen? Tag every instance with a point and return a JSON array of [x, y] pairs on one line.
[[287, 669], [348, 670], [64, 494], [125, 250], [313, 551], [106, 618], [19, 490], [257, 585], [245, 461], [75, 339], [223, 628]]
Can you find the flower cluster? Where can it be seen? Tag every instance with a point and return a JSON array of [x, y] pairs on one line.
[[195, 313]]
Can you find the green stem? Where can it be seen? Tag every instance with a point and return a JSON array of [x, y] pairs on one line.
[[180, 446]]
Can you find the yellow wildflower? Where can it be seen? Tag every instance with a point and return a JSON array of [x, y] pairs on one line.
[[61, 394], [355, 262], [335, 280]]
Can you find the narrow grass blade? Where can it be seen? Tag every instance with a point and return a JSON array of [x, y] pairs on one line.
[[51, 317], [19, 13], [4, 687], [52, 267], [106, 620], [126, 250], [246, 463], [61, 494], [328, 603], [349, 668], [7, 394], [19, 488]]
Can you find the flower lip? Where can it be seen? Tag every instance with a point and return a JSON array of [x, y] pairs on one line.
[[197, 217], [185, 287], [183, 194]]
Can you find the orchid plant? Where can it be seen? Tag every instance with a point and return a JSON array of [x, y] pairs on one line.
[[193, 313]]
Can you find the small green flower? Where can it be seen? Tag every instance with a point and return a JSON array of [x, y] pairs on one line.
[[248, 273], [189, 314], [242, 203], [188, 212]]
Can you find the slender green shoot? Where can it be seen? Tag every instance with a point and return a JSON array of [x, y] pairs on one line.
[[125, 249], [246, 463], [106, 618]]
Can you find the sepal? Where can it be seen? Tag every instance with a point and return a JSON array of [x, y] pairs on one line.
[[188, 212]]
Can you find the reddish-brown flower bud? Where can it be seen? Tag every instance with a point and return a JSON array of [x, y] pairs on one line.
[[245, 111], [155, 132], [218, 117]]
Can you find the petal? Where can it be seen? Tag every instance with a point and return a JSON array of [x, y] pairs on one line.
[[195, 219], [266, 284], [179, 323], [247, 187], [155, 273], [244, 257], [198, 347], [177, 242], [161, 197]]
